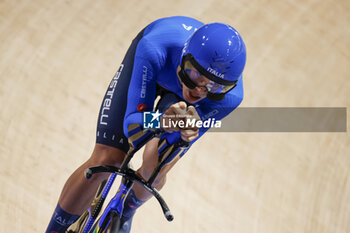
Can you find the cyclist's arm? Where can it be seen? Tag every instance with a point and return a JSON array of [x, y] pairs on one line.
[[142, 88]]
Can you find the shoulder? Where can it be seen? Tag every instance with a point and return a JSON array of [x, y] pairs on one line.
[[171, 31], [180, 24], [165, 37]]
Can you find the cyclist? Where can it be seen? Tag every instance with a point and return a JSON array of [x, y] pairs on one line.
[[195, 68]]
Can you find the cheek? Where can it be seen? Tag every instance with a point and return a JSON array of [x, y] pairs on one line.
[[184, 89], [185, 93]]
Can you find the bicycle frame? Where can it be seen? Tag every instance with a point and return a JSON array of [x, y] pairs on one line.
[[115, 207]]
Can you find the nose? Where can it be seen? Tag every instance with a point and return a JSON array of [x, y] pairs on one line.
[[200, 91]]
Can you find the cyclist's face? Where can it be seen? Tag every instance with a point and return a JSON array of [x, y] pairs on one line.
[[199, 92]]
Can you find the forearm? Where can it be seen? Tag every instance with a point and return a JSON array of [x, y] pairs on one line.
[[150, 162]]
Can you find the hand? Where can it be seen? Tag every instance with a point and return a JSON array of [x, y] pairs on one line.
[[176, 118], [190, 133], [172, 116]]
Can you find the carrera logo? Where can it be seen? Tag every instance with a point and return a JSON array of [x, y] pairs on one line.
[[214, 72]]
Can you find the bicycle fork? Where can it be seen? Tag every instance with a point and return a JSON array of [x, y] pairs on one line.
[[116, 205]]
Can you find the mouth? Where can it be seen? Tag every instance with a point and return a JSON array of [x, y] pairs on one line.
[[192, 97]]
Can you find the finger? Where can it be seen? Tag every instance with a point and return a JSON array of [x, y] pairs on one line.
[[182, 105], [167, 123], [189, 133], [191, 138], [170, 112], [171, 130], [188, 139], [191, 110], [191, 122], [179, 108]]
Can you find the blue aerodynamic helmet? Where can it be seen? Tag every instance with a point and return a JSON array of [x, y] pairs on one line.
[[218, 52]]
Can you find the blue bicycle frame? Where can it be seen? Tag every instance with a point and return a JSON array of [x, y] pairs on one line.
[[167, 153], [116, 204]]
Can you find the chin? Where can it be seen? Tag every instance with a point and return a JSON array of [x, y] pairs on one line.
[[187, 96], [191, 100]]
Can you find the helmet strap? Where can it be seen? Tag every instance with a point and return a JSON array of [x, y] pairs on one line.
[[215, 96], [184, 77]]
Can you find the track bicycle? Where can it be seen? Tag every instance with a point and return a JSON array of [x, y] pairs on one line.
[[110, 219]]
